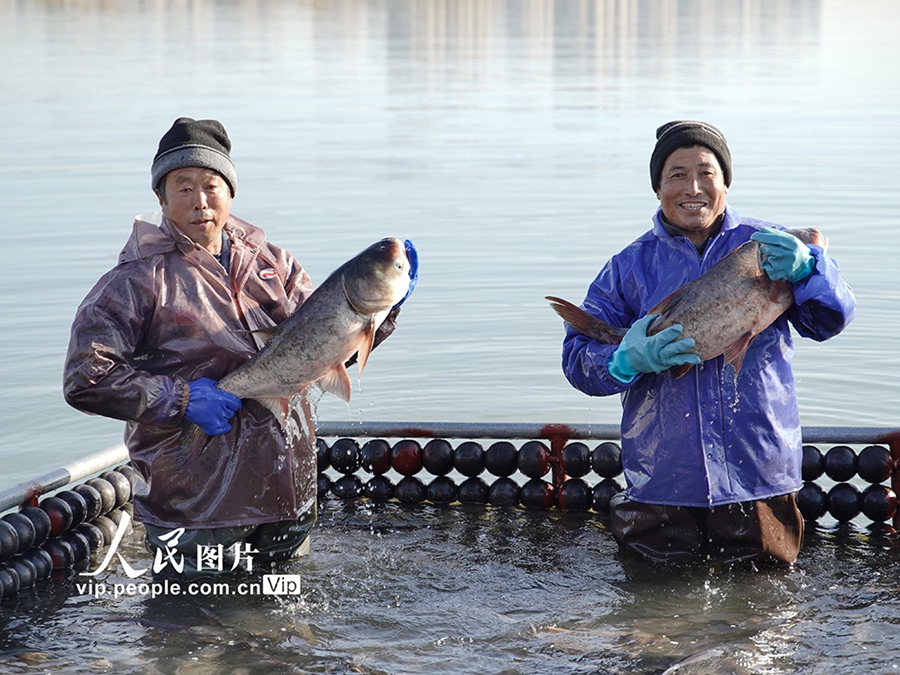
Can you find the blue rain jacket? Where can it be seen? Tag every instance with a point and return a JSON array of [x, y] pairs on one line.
[[704, 440]]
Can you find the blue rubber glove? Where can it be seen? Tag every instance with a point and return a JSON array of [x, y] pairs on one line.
[[210, 408], [783, 256], [641, 354], [413, 256]]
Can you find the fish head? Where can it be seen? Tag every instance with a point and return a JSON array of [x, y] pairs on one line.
[[810, 235], [378, 278]]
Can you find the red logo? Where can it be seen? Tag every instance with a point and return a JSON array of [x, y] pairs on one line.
[[268, 273]]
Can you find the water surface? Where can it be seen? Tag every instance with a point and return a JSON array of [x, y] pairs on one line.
[[510, 140]]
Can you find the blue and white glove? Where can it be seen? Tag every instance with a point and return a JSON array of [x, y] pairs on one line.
[[783, 256], [639, 353], [413, 256], [210, 408]]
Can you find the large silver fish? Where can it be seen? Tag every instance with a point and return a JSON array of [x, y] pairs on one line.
[[338, 320], [723, 309]]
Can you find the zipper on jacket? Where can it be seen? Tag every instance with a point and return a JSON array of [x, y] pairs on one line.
[[237, 278]]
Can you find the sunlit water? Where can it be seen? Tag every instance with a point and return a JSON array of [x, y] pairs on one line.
[[510, 140], [391, 589]]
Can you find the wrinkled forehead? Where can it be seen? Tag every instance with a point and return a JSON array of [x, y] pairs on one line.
[[194, 174], [689, 156]]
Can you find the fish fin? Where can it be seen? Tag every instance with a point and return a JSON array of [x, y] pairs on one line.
[[736, 351], [679, 371], [366, 346], [190, 445], [264, 334], [670, 302], [280, 407], [337, 381], [780, 293]]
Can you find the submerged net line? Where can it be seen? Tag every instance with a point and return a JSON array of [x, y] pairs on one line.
[[554, 466]]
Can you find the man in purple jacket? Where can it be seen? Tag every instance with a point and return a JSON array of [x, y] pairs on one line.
[[157, 331], [712, 463]]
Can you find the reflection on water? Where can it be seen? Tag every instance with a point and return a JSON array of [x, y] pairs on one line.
[[604, 37]]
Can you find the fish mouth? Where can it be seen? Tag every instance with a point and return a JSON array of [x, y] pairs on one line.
[[394, 257]]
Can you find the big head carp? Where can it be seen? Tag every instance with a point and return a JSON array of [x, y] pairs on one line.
[[723, 309], [338, 320]]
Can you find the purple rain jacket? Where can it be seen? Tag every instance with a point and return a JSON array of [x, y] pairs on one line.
[[167, 314], [703, 440]]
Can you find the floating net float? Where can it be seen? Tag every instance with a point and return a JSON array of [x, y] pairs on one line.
[[555, 468], [59, 520]]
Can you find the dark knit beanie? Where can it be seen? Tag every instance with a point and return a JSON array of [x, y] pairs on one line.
[[684, 134], [201, 143]]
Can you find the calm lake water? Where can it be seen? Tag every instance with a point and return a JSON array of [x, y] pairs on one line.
[[510, 140]]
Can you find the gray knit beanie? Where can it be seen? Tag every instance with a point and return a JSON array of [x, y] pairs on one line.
[[201, 143], [684, 134]]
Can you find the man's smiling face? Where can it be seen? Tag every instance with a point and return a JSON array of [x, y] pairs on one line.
[[692, 191]]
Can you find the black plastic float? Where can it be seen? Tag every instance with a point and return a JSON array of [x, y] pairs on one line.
[[561, 471], [555, 466], [61, 531]]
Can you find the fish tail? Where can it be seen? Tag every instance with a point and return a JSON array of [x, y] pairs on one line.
[[584, 323], [281, 407], [572, 315]]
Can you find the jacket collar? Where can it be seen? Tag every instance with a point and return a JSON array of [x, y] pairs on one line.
[[153, 234], [729, 222]]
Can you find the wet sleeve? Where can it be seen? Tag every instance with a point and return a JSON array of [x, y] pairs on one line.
[[100, 375], [585, 364], [824, 303], [584, 360]]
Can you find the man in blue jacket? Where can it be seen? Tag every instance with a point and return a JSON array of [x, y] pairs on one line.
[[712, 462]]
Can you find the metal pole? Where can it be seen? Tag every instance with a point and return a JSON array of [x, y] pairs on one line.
[[58, 478], [498, 430], [502, 430]]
